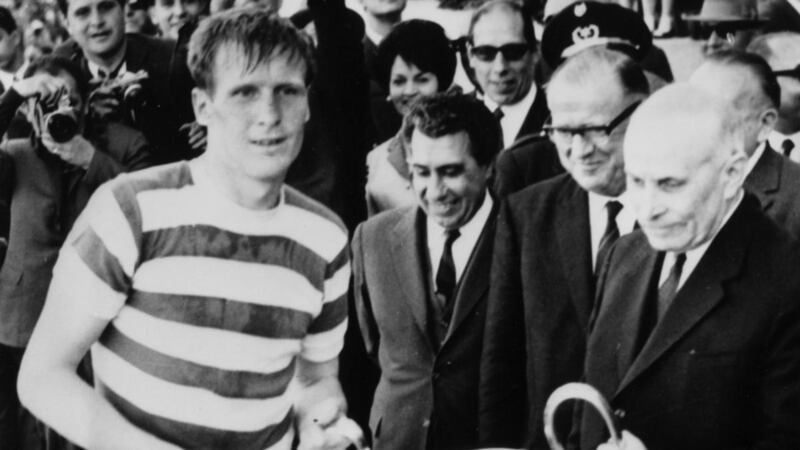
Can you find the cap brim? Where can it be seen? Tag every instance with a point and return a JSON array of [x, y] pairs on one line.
[[724, 19]]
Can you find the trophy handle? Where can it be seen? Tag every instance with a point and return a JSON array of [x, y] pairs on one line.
[[577, 391]]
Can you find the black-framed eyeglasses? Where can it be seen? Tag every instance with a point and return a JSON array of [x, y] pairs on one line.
[[594, 133], [794, 73], [510, 52]]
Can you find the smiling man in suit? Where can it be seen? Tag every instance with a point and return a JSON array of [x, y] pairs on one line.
[[551, 239], [422, 277], [695, 343]]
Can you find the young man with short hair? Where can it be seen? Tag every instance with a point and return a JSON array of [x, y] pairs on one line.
[[211, 294]]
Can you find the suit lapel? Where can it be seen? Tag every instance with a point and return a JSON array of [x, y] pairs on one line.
[[410, 262], [574, 242], [703, 290], [475, 279], [765, 178], [536, 116]]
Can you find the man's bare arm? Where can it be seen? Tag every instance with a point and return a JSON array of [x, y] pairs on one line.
[[51, 389]]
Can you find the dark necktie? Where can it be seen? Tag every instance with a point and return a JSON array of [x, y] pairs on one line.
[[498, 114], [667, 290], [446, 274], [611, 234], [787, 146]]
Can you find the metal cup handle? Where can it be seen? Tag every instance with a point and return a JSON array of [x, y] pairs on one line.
[[577, 391]]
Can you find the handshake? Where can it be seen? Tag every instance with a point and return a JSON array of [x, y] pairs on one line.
[[112, 98]]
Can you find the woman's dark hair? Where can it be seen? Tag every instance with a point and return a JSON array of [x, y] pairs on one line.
[[419, 42]]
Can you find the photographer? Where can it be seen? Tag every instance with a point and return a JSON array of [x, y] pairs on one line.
[[48, 181], [108, 56]]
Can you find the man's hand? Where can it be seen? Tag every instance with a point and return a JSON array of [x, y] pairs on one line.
[[312, 427], [196, 136], [628, 442], [103, 102], [46, 86], [77, 151]]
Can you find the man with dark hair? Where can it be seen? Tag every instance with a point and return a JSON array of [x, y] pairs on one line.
[[501, 48], [421, 279], [551, 240], [106, 54], [212, 295], [695, 340], [47, 181], [746, 82]]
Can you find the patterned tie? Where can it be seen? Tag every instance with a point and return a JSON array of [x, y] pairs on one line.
[[668, 290], [787, 146], [446, 275], [611, 234]]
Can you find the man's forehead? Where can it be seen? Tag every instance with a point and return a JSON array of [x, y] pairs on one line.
[[450, 146], [567, 97], [498, 24], [75, 4], [231, 59]]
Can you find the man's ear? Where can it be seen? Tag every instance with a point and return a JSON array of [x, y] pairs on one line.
[[201, 102], [766, 123], [735, 173]]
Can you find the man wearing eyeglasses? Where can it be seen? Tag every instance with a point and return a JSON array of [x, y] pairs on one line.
[[747, 83], [782, 53], [552, 238], [502, 52]]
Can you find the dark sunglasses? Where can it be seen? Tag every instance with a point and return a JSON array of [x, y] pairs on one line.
[[793, 73], [591, 132], [511, 52]]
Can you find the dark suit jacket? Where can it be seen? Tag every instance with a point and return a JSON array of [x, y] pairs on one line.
[[44, 196], [540, 300], [427, 394], [721, 369], [531, 159], [537, 115], [775, 181], [156, 119]]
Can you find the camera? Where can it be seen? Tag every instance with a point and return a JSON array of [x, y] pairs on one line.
[[126, 88], [62, 123]]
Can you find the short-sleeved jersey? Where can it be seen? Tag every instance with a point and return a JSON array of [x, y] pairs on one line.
[[209, 304]]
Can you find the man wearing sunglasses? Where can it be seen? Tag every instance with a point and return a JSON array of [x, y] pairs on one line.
[[551, 240], [502, 52], [747, 83], [782, 52]]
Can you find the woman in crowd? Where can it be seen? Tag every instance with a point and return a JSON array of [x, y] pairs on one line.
[[414, 60]]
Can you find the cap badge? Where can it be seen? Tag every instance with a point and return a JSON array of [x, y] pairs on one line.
[[580, 9], [587, 32]]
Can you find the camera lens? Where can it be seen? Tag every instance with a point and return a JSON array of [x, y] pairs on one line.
[[62, 126]]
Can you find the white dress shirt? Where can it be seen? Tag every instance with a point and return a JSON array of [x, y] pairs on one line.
[[94, 69], [694, 255], [776, 139], [463, 246], [513, 115], [598, 219], [753, 159]]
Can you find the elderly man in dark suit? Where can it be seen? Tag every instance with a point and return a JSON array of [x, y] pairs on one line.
[[747, 84], [695, 343], [422, 277], [551, 239]]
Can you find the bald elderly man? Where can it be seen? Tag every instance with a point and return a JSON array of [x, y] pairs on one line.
[[747, 85], [698, 323], [782, 52]]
